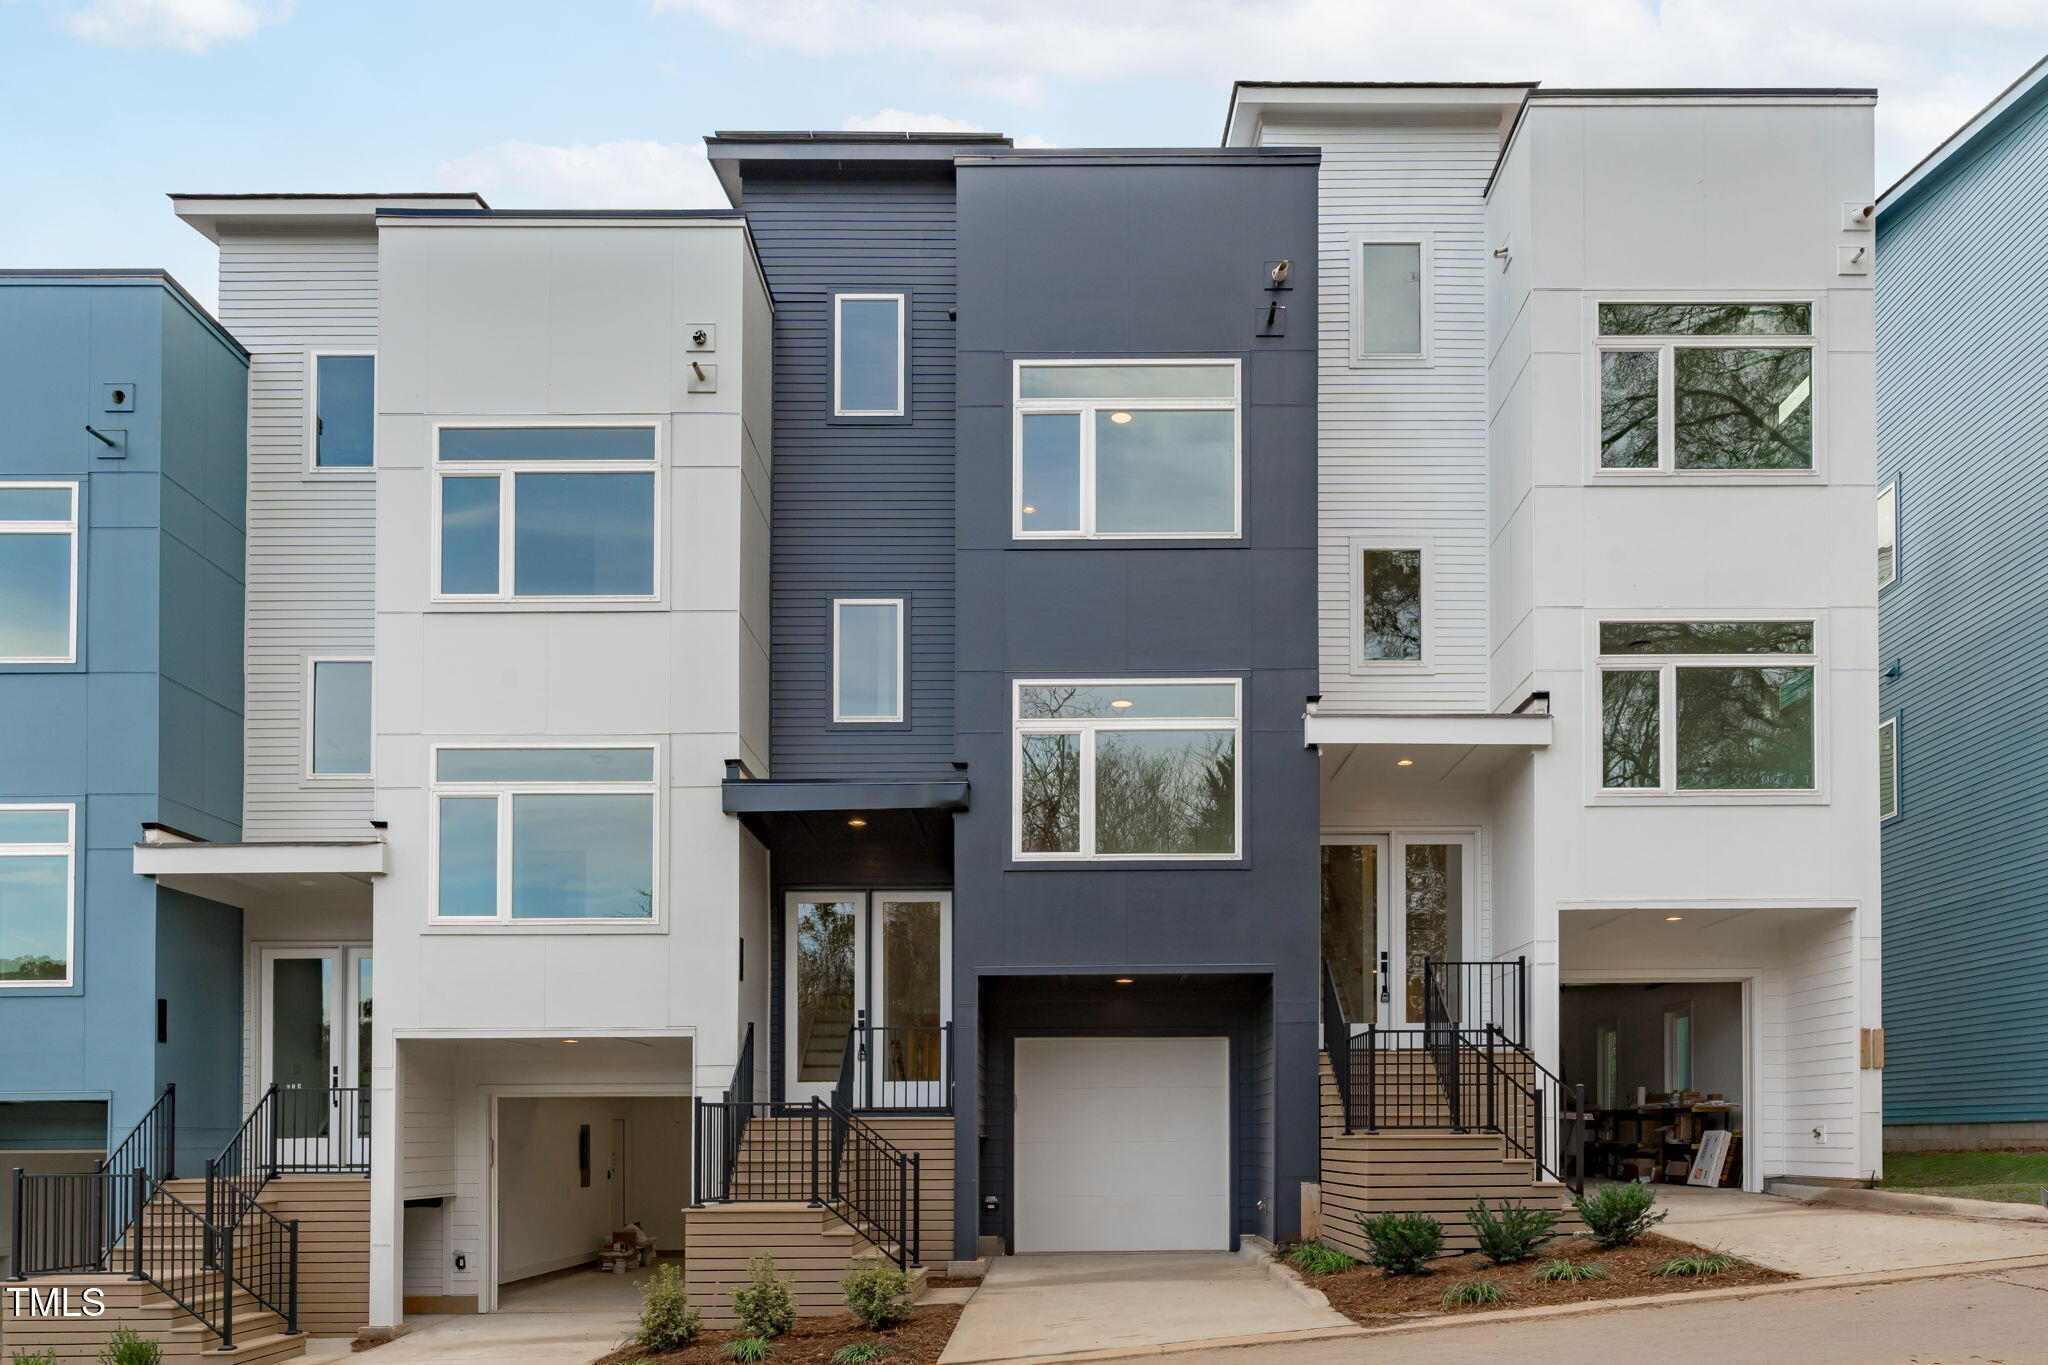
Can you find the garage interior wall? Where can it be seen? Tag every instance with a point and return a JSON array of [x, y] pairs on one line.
[[547, 1218], [1637, 1012]]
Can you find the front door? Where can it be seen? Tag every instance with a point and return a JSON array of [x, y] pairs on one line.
[[1390, 903], [315, 1047], [880, 958]]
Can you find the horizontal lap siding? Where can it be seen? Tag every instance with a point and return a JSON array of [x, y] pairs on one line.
[[1403, 453], [312, 540], [862, 510], [1963, 424]]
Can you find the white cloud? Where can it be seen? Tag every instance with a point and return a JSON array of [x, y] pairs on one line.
[[175, 25], [603, 175], [893, 120], [1933, 64]]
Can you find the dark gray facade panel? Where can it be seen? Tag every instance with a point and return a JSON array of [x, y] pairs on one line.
[[1135, 260]]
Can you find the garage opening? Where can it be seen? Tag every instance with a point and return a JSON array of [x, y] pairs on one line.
[[591, 1191], [1123, 1144], [1663, 1064]]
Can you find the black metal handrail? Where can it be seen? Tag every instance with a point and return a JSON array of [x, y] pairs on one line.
[[261, 1254], [875, 1188], [901, 1068], [151, 1145], [184, 1255], [1548, 1102], [1337, 1041], [1478, 995], [76, 1222], [292, 1130]]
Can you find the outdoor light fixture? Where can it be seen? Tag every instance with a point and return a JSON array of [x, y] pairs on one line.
[[571, 1040], [1125, 980], [1404, 762], [857, 823], [1120, 418], [1029, 510], [1673, 919]]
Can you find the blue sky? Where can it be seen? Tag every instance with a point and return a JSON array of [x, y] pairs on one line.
[[105, 105]]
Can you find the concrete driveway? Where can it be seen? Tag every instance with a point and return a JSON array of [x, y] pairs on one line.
[[1813, 1240], [1072, 1307], [527, 1338]]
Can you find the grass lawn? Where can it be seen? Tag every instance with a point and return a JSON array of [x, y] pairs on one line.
[[2004, 1177]]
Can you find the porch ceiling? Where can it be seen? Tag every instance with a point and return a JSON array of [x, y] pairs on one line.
[[1370, 752], [256, 875]]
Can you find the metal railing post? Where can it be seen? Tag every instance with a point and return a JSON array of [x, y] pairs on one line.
[[227, 1289], [141, 1206], [916, 1209], [697, 1153], [817, 1113], [291, 1318], [213, 1211], [1372, 1078], [1522, 1008], [16, 1224], [170, 1131]]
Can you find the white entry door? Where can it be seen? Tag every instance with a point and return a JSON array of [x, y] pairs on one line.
[[882, 959], [315, 1047], [1122, 1144]]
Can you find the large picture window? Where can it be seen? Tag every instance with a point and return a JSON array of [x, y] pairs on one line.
[[544, 834], [38, 573], [1126, 449], [37, 843], [1688, 387], [1127, 769], [545, 512], [1720, 706]]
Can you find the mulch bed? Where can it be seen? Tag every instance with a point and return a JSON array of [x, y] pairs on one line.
[[1375, 1300], [813, 1340], [952, 1282]]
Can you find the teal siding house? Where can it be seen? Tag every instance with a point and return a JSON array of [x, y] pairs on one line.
[[122, 435], [1962, 397]]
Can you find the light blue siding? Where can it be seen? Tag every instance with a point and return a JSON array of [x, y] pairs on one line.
[[1962, 296]]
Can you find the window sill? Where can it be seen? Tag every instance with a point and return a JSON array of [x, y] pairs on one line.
[[1406, 668], [493, 605], [448, 928], [901, 419], [1711, 798], [1196, 541], [1231, 864], [1663, 477]]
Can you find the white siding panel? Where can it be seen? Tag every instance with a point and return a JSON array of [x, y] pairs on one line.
[[1403, 446], [312, 538]]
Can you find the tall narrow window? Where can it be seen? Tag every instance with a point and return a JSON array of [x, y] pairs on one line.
[[1707, 705], [38, 573], [1390, 605], [868, 355], [867, 659], [344, 411], [1888, 769], [1390, 286], [546, 512], [1606, 1064], [36, 847], [339, 742], [1678, 1049], [1144, 449], [1127, 770], [1887, 534], [1706, 386]]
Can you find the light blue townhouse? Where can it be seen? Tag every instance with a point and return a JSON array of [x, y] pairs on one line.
[[1962, 492], [122, 436]]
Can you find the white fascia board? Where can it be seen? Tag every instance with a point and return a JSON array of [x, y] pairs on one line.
[[1529, 732], [1252, 104], [210, 216], [353, 860]]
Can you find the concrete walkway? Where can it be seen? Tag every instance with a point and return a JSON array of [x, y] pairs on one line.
[[501, 1338], [1813, 1240], [1068, 1307], [1990, 1317]]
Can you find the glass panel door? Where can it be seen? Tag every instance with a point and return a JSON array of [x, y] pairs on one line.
[[1354, 935], [1390, 904], [315, 1047], [1432, 921], [826, 967], [913, 972]]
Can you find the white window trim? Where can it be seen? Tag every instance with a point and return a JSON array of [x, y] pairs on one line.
[[1888, 785], [1087, 727], [1020, 406], [505, 470], [902, 301], [1426, 546], [307, 711], [68, 850], [312, 415], [503, 792], [902, 661], [70, 527], [1672, 1082], [1666, 666], [1425, 301], [1599, 343], [1888, 524]]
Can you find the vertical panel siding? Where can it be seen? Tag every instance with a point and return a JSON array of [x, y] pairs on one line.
[[312, 539], [1403, 446], [1963, 425], [859, 509]]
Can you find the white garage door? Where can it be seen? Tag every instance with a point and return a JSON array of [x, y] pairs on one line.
[[1123, 1144]]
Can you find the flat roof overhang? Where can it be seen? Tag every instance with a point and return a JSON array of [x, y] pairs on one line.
[[265, 873], [1436, 748], [851, 828]]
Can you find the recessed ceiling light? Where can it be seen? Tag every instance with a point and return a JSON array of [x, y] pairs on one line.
[[1120, 417], [1125, 980], [1673, 919], [572, 1040], [1122, 703], [1404, 762], [857, 823], [1029, 510]]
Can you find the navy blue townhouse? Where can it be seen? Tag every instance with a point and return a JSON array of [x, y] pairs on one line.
[[1042, 823]]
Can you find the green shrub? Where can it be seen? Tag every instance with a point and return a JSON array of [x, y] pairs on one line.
[[667, 1321], [127, 1347], [1514, 1233], [747, 1349], [35, 1358], [1319, 1258], [765, 1304], [1402, 1243], [1715, 1262], [1618, 1214], [860, 1352], [877, 1294], [1557, 1270], [1475, 1293]]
